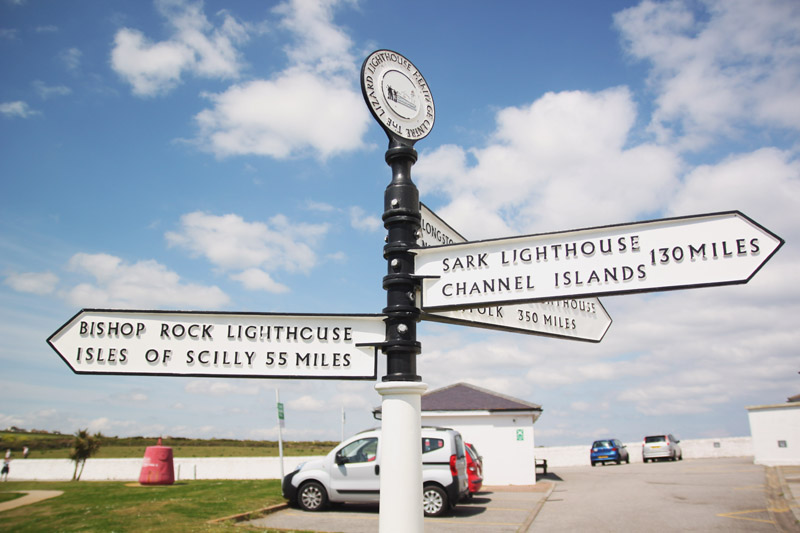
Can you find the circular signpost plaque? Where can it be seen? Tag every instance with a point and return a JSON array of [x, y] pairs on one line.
[[397, 95]]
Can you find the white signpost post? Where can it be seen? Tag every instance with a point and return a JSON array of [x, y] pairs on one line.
[[578, 319], [677, 253], [228, 345]]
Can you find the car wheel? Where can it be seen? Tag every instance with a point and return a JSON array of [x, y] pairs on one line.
[[434, 500], [312, 496], [594, 464], [619, 461], [628, 460], [680, 457]]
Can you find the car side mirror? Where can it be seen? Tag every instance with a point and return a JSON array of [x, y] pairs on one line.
[[339, 460]]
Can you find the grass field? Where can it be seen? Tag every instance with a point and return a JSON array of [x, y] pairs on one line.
[[128, 507], [55, 446]]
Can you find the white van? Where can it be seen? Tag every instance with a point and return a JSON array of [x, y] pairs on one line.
[[351, 473]]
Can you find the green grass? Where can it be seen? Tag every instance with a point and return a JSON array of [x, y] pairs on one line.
[[54, 446], [127, 507], [8, 496]]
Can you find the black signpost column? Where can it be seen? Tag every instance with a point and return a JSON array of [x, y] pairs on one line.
[[401, 219], [400, 100]]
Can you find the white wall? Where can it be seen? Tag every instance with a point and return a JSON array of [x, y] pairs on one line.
[[770, 424], [506, 460], [504, 440], [129, 469], [691, 448]]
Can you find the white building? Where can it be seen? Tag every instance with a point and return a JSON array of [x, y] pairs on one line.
[[776, 432], [499, 426]]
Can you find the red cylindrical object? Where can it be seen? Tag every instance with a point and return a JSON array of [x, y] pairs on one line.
[[157, 468]]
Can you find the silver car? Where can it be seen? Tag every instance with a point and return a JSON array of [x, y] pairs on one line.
[[351, 473], [661, 447]]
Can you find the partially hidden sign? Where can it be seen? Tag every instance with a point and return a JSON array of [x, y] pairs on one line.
[[678, 253], [582, 319], [230, 345]]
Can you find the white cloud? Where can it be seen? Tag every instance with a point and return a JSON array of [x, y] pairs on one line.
[[32, 282], [71, 57], [559, 163], [765, 184], [257, 279], [144, 284], [46, 91], [250, 249], [218, 387], [318, 41], [308, 403], [294, 113], [736, 63], [17, 109], [361, 221], [310, 107], [195, 47]]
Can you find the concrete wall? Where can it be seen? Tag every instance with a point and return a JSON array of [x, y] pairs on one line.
[[507, 461], [776, 433], [129, 469], [691, 448], [504, 440]]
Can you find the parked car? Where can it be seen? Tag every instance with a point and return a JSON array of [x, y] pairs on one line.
[[661, 447], [607, 451], [475, 451], [474, 469], [351, 473]]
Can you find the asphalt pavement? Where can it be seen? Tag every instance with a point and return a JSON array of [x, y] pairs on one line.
[[727, 494], [730, 494]]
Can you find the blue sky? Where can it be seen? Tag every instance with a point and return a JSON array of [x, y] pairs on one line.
[[218, 156]]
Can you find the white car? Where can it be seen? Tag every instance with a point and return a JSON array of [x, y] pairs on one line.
[[661, 447], [350, 473]]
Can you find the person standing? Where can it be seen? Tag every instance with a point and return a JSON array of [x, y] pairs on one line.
[[25, 452], [6, 465]]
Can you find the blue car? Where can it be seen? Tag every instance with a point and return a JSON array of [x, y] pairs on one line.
[[608, 450]]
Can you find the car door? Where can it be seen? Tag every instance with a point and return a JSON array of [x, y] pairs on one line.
[[355, 474]]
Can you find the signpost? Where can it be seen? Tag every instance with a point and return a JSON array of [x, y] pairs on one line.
[[577, 319], [677, 253], [229, 345], [486, 284], [398, 97]]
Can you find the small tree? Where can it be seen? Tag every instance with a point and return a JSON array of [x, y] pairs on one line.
[[83, 447]]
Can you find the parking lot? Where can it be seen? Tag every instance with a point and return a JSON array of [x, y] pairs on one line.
[[730, 494], [493, 510]]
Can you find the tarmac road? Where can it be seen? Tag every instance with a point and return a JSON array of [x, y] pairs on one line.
[[727, 494]]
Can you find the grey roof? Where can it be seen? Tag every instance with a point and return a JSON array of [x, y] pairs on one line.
[[466, 397]]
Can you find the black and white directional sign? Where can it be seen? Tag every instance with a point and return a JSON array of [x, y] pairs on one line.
[[677, 253], [230, 345], [583, 319]]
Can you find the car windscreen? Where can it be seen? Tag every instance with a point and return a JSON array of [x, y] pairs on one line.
[[603, 444], [657, 438]]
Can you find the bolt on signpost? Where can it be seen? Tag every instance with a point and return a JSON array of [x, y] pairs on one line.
[[398, 97]]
